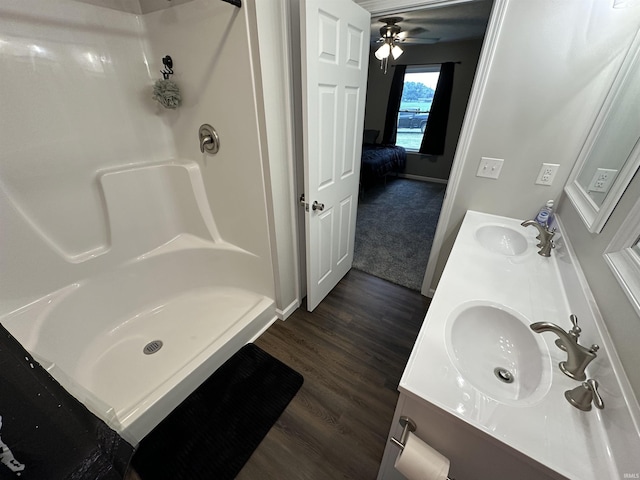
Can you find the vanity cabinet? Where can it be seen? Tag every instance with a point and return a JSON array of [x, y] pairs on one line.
[[486, 390], [474, 455]]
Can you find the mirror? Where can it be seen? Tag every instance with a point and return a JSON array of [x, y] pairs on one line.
[[611, 153]]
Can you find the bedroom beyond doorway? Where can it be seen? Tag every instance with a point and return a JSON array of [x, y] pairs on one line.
[[395, 227]]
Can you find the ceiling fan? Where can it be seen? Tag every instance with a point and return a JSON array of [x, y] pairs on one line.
[[389, 37], [413, 35], [391, 34]]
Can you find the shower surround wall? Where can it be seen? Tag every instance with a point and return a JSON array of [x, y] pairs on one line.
[[76, 98], [77, 107], [208, 41]]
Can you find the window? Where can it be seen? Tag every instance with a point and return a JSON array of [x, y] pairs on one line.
[[417, 95]]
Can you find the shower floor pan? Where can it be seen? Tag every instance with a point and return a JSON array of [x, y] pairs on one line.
[[134, 343], [195, 329]]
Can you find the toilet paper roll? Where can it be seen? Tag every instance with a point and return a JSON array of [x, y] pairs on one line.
[[418, 461]]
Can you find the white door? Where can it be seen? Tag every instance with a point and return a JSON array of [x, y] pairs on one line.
[[335, 48]]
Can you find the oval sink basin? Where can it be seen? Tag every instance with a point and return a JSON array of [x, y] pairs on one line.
[[496, 351], [503, 240]]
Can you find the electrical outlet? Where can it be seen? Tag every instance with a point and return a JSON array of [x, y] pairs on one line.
[[602, 180], [547, 173], [490, 167]]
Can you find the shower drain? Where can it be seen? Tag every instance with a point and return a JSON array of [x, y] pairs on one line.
[[152, 347], [503, 374]]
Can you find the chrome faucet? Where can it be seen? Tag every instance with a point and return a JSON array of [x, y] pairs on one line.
[[545, 236], [574, 333], [578, 357]]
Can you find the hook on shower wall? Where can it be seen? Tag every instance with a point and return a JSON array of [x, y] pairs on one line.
[[165, 91], [167, 61]]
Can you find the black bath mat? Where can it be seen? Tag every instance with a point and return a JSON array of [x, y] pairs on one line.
[[215, 430]]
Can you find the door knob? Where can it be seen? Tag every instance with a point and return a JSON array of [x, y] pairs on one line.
[[317, 206]]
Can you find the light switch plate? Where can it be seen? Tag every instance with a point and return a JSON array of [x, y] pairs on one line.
[[490, 167]]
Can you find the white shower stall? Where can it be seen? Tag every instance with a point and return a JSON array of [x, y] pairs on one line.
[[133, 265]]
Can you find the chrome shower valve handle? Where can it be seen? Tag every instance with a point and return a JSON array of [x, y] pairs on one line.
[[209, 139]]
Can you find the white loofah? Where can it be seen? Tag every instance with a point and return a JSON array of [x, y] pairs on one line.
[[167, 93]]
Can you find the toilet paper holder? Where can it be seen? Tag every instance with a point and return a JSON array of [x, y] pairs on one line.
[[408, 425]]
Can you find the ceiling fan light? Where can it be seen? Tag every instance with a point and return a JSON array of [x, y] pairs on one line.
[[396, 51], [383, 51]]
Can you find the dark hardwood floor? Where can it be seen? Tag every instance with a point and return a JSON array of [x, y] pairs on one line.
[[351, 351]]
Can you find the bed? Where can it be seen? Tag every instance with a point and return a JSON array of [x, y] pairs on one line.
[[378, 160]]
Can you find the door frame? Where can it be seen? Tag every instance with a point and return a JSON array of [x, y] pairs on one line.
[[489, 45], [287, 32]]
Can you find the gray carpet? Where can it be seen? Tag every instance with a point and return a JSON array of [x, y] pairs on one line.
[[395, 228]]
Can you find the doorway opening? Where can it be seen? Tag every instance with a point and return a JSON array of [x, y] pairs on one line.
[[401, 226]]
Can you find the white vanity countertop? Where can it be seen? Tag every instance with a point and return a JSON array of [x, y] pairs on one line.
[[544, 426]]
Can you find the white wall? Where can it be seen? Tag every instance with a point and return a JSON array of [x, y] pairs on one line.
[[549, 74], [273, 42], [278, 45]]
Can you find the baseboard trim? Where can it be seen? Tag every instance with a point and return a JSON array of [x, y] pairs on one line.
[[284, 314], [426, 291], [420, 178]]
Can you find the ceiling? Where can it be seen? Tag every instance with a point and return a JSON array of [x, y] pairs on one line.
[[461, 21]]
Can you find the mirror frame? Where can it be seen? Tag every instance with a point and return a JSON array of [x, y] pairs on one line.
[[623, 260], [595, 216]]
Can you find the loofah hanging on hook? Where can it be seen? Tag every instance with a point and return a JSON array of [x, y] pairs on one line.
[[165, 91]]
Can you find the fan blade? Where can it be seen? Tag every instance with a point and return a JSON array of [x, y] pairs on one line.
[[420, 40], [417, 31]]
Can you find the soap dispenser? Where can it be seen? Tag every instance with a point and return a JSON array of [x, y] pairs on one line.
[[545, 214]]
